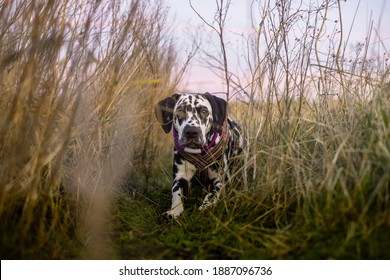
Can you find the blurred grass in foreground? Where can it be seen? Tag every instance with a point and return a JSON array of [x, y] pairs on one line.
[[76, 79]]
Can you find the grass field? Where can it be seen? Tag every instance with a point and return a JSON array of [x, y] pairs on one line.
[[311, 199], [85, 170]]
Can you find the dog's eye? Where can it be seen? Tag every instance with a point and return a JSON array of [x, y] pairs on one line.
[[204, 112], [180, 112]]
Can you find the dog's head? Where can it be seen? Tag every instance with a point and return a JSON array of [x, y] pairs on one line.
[[195, 117]]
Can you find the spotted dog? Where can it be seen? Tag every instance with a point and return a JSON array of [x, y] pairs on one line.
[[206, 144]]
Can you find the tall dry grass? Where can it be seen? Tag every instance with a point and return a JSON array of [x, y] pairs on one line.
[[315, 116], [77, 80], [77, 84], [310, 105]]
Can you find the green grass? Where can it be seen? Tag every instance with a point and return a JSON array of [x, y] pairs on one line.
[[324, 224], [329, 201], [243, 228]]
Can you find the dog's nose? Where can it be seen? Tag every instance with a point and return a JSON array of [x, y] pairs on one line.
[[191, 132]]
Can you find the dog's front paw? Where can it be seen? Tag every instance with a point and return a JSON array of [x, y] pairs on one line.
[[204, 207], [174, 213], [209, 201]]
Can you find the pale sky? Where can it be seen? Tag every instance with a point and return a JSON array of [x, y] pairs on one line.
[[187, 26]]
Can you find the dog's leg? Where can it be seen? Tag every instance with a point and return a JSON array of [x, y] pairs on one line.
[[212, 197], [217, 186], [183, 171]]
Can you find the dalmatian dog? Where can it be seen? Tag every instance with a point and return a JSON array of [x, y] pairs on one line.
[[206, 144]]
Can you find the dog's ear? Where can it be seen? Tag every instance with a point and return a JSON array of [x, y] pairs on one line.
[[164, 112], [219, 107]]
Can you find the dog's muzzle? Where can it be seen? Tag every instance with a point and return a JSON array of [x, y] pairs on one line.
[[192, 137]]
